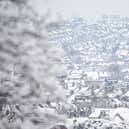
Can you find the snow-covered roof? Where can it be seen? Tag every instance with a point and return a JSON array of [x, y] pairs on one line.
[[92, 75], [127, 94], [117, 101], [75, 76], [69, 122], [123, 112], [104, 74], [95, 114], [83, 90], [100, 94]]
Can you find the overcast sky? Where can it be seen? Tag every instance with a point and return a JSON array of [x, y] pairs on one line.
[[84, 8]]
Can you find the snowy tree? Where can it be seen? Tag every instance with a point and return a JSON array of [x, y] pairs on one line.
[[28, 67]]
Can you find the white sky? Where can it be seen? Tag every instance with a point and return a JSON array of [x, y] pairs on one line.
[[84, 8]]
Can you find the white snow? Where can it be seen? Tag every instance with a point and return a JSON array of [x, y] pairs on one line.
[[95, 114]]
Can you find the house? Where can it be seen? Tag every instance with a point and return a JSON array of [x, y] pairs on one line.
[[121, 113], [118, 118], [100, 114], [127, 94], [92, 75], [125, 97], [95, 114], [104, 75], [115, 102]]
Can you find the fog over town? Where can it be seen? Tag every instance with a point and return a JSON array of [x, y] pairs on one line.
[[96, 59], [64, 64]]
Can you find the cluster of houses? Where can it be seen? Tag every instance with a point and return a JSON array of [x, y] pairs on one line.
[[97, 61], [86, 93]]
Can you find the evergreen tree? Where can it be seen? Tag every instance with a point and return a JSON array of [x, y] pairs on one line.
[[28, 67]]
